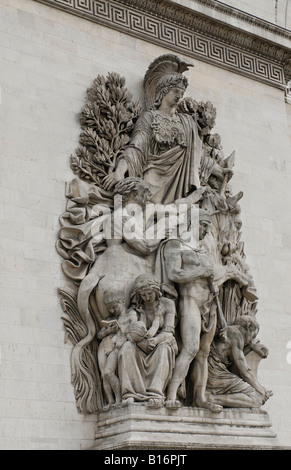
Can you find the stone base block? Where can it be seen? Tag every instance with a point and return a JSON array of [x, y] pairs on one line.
[[138, 427]]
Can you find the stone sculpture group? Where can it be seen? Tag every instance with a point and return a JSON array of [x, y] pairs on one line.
[[161, 305]]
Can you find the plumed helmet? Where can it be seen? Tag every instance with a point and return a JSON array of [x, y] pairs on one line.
[[165, 71]]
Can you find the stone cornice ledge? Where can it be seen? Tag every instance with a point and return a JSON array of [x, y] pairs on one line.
[[177, 27], [239, 19]]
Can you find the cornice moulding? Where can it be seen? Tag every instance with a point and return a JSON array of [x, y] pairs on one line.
[[174, 26], [238, 19]]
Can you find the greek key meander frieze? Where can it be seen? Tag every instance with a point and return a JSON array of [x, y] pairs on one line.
[[158, 7], [181, 30]]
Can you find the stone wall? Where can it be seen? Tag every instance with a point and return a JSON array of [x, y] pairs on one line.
[[275, 11], [49, 59]]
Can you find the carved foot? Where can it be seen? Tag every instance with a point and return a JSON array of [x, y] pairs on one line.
[[173, 404], [155, 403], [127, 401], [117, 404], [106, 408], [111, 406], [210, 406]]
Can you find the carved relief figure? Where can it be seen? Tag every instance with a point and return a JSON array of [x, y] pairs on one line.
[[127, 253], [112, 336], [226, 388], [165, 148], [147, 361], [191, 270], [196, 304]]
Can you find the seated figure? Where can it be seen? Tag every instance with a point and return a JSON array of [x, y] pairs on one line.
[[226, 388], [146, 360]]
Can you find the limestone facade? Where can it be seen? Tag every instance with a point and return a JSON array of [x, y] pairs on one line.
[[49, 59]]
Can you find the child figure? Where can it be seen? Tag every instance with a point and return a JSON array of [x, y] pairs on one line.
[[113, 335]]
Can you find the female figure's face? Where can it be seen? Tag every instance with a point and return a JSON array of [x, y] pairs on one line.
[[172, 98], [148, 296]]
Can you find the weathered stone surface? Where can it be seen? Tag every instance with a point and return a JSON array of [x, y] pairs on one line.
[[152, 240], [46, 66], [137, 427]]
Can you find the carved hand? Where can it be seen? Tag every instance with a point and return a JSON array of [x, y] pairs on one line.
[[151, 343], [110, 180], [193, 197], [112, 328], [208, 271], [260, 349], [147, 345]]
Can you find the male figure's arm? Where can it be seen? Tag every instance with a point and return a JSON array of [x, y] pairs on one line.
[[175, 271], [237, 344]]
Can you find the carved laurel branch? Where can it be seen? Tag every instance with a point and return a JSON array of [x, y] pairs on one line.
[[106, 120], [204, 113]]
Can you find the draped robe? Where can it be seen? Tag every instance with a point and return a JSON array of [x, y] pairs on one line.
[[166, 152]]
